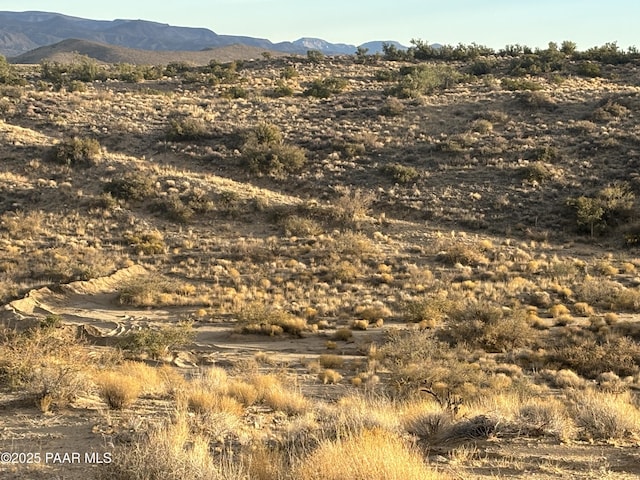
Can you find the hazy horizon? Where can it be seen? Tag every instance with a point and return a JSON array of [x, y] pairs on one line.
[[495, 23]]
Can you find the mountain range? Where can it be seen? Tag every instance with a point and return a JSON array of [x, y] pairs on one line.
[[21, 32]]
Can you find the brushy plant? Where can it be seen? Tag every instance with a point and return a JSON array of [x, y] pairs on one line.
[[315, 56], [392, 107], [325, 87], [369, 454], [266, 152], [589, 356], [8, 73], [605, 416], [424, 79], [429, 311], [189, 128], [520, 84], [489, 327], [132, 186], [77, 152], [118, 389], [148, 243], [263, 319], [352, 205], [611, 206], [46, 362], [158, 342], [401, 173], [152, 290], [173, 208], [170, 452]]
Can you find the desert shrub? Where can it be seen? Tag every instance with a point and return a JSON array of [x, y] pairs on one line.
[[152, 290], [387, 75], [590, 357], [243, 392], [132, 186], [148, 243], [189, 128], [281, 90], [329, 376], [266, 152], [538, 171], [482, 125], [482, 66], [76, 152], [352, 205], [627, 299], [429, 311], [260, 318], [605, 416], [45, 362], [289, 72], [489, 327], [118, 389], [518, 84], [589, 69], [393, 53], [424, 79], [611, 206], [198, 201], [325, 87], [331, 361], [464, 255], [342, 334], [419, 358], [315, 56], [301, 226], [265, 134], [221, 72], [609, 109], [173, 208], [549, 417], [545, 153], [171, 452], [392, 107], [536, 100], [369, 454], [8, 73], [344, 271], [401, 173], [158, 342]]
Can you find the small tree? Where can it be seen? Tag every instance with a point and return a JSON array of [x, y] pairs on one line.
[[589, 212], [315, 56]]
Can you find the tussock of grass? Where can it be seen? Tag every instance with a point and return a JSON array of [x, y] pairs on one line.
[[370, 454], [171, 453], [118, 390], [603, 416]]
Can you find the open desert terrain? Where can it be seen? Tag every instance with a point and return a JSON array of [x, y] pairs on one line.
[[290, 267]]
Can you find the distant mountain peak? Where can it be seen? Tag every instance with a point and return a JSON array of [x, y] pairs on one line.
[[21, 32]]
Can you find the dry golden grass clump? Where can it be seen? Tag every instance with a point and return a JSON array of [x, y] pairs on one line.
[[329, 376], [369, 454], [604, 416], [118, 389], [272, 393], [205, 401], [170, 452], [262, 319], [155, 290], [331, 361]]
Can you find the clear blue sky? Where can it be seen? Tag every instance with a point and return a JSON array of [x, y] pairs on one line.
[[490, 22]]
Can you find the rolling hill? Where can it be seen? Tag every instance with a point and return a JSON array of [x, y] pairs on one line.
[[66, 50]]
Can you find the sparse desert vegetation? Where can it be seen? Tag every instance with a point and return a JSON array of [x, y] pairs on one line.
[[421, 264]]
